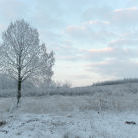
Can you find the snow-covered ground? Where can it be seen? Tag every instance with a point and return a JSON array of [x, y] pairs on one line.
[[78, 124], [68, 117]]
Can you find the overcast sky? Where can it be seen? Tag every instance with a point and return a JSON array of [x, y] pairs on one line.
[[93, 40]]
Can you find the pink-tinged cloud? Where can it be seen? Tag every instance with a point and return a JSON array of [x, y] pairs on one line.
[[126, 10], [102, 50], [94, 55], [125, 16], [121, 17]]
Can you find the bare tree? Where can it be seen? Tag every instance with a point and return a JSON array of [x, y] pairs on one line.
[[22, 55]]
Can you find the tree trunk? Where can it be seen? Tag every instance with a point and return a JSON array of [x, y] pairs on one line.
[[19, 82], [19, 91]]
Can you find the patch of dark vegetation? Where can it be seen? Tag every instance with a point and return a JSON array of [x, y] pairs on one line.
[[2, 123], [130, 122], [4, 131]]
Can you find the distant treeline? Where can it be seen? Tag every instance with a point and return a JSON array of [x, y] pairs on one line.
[[8, 88], [116, 82]]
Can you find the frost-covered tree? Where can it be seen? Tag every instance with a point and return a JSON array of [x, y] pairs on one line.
[[22, 55]]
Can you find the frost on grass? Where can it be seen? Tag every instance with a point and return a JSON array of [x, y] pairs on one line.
[[63, 116], [102, 114], [81, 125]]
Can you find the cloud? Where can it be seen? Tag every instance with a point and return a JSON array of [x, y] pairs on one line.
[[113, 61], [10, 9], [90, 32], [102, 50], [98, 22], [65, 51], [111, 53], [47, 15], [129, 35], [125, 16], [122, 17], [97, 13], [132, 3], [124, 43], [114, 67], [48, 36]]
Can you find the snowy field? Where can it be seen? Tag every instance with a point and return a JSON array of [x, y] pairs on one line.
[[97, 116], [73, 125]]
